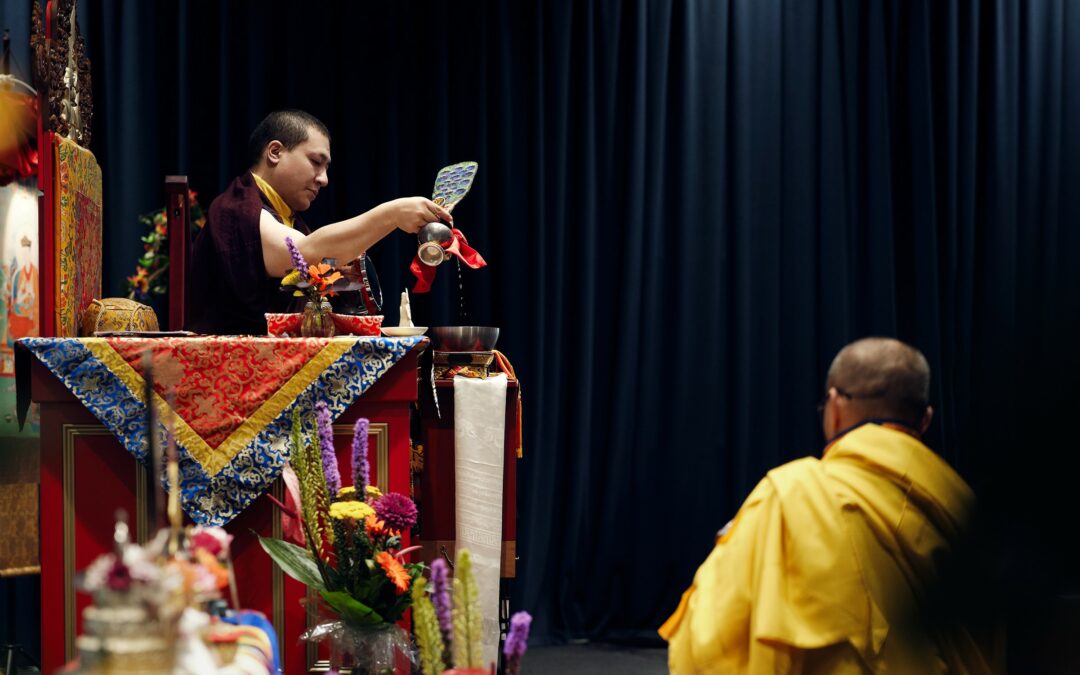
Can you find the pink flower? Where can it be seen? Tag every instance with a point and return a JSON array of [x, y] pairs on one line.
[[213, 539], [397, 510]]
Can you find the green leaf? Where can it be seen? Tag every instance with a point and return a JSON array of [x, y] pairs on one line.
[[351, 610], [294, 561]]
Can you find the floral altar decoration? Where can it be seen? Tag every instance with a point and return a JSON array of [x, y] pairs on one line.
[[351, 553], [318, 283], [446, 621], [151, 279]]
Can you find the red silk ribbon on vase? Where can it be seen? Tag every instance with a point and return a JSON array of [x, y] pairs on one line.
[[458, 246]]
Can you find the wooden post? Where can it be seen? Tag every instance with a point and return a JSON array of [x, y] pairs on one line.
[[179, 228]]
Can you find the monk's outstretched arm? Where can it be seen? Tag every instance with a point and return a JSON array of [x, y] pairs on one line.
[[347, 239]]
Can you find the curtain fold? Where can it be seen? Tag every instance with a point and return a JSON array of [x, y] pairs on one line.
[[688, 207]]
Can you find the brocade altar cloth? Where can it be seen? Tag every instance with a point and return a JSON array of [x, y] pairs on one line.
[[78, 233], [233, 399]]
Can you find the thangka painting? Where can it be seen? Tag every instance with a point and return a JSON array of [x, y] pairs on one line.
[[78, 234], [19, 306], [19, 318]]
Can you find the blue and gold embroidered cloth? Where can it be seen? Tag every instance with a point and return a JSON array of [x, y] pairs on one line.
[[230, 400]]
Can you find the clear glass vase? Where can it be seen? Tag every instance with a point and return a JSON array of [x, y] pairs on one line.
[[381, 649], [317, 320]]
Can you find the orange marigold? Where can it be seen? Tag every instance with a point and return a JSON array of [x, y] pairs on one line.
[[394, 571]]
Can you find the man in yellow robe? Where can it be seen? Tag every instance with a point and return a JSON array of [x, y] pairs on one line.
[[828, 564]]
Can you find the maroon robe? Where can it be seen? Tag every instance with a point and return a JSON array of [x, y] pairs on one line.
[[230, 289]]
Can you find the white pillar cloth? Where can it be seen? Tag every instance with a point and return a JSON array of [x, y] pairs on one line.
[[479, 448]]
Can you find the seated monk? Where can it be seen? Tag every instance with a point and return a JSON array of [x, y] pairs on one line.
[[240, 256], [830, 564]]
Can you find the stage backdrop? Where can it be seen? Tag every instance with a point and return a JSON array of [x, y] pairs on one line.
[[688, 207]]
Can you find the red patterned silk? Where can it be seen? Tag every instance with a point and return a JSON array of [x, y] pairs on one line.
[[288, 324], [219, 383]]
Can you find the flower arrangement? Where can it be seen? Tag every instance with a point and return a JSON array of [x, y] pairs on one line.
[[316, 282], [352, 546], [446, 621], [150, 278]]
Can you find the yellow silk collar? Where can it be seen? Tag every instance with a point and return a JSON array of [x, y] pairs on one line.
[[275, 200]]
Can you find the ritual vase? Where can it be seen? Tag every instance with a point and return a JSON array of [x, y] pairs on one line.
[[317, 320]]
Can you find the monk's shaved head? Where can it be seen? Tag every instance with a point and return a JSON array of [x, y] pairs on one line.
[[883, 377]]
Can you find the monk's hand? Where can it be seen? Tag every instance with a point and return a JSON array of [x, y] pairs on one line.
[[409, 214]]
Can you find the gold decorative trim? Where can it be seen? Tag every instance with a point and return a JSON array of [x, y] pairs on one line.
[[19, 571], [68, 433], [381, 433]]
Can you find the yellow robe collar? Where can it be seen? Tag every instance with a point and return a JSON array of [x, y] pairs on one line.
[[275, 200]]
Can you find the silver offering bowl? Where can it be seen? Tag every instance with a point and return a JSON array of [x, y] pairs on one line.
[[465, 338]]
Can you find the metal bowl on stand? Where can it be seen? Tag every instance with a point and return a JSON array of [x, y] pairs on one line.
[[465, 338]]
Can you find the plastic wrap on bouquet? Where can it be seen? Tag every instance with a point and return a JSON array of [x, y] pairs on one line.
[[365, 649]]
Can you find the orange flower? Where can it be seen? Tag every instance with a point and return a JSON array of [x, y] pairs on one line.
[[374, 526], [316, 271], [207, 560], [394, 571], [377, 528]]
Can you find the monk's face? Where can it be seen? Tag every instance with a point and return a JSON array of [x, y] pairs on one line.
[[300, 173]]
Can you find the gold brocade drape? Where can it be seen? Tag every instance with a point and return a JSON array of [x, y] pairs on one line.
[[19, 507]]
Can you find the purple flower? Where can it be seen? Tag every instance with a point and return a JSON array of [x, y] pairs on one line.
[[397, 510], [360, 467], [298, 261], [326, 443], [516, 641], [440, 596]]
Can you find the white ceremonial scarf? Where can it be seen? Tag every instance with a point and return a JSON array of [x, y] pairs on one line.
[[479, 449]]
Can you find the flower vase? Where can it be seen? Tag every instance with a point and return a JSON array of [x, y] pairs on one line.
[[380, 649], [317, 320]]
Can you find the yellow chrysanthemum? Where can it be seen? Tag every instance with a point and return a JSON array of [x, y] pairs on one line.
[[373, 491], [347, 491], [350, 510]]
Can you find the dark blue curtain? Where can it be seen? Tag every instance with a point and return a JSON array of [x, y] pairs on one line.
[[688, 208]]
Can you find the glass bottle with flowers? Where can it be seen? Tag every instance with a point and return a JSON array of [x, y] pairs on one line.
[[352, 554], [317, 283]]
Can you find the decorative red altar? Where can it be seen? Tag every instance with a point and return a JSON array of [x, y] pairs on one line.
[[89, 447]]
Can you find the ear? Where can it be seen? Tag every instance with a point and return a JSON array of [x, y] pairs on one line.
[[925, 423], [839, 409], [273, 152]]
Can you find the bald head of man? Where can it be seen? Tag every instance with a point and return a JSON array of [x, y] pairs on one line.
[[877, 379]]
